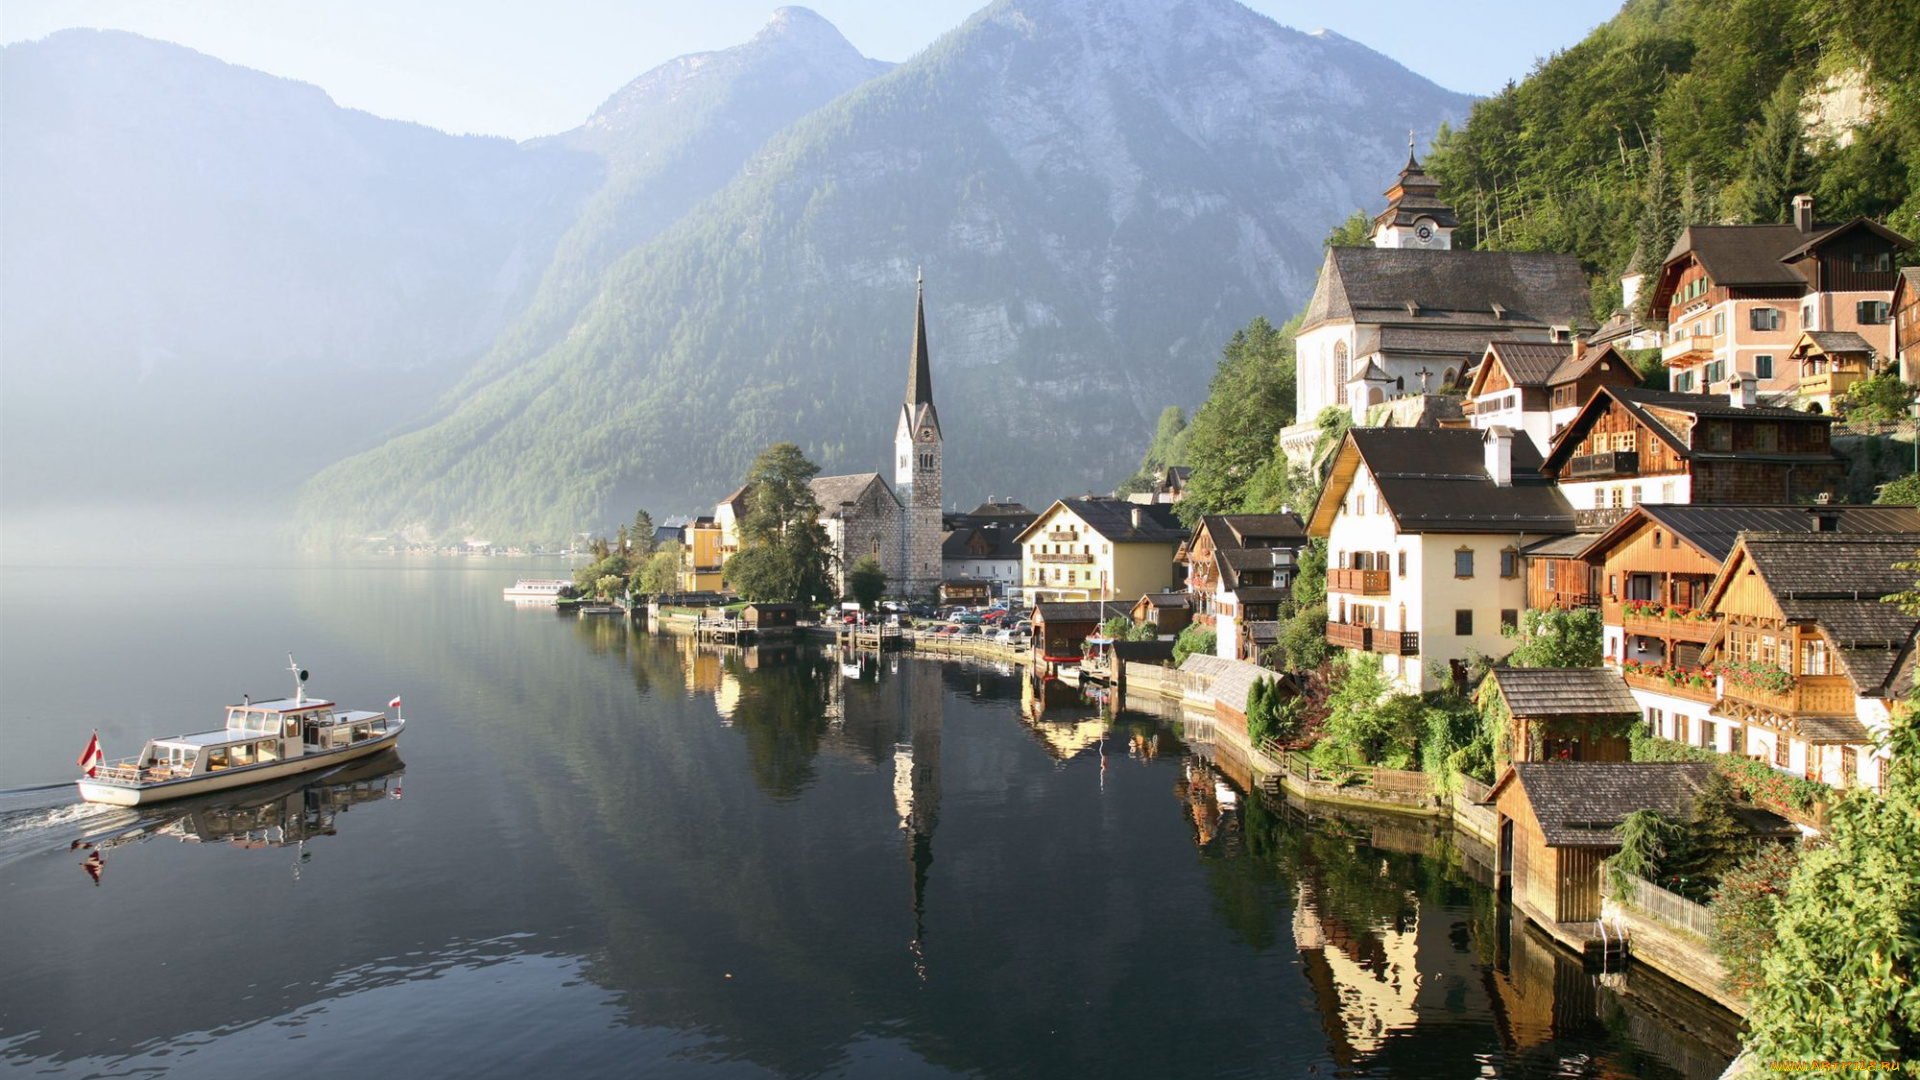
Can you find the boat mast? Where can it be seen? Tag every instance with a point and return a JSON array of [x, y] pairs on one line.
[[299, 681]]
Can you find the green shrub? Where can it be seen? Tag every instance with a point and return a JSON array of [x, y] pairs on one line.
[[1745, 909]]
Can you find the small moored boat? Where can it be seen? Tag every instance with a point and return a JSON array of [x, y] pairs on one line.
[[262, 740]]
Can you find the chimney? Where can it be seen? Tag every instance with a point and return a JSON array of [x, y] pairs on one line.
[[1742, 392], [1803, 213], [1498, 443], [1139, 516]]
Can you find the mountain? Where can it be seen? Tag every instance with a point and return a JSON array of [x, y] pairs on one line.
[[1100, 192], [671, 138], [215, 281]]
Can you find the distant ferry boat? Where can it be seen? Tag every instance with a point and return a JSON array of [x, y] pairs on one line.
[[263, 740], [537, 589]]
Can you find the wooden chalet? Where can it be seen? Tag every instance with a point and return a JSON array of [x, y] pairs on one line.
[[1811, 661], [765, 618], [1630, 446], [1537, 386], [1556, 822], [1061, 628], [1831, 361], [1559, 575], [1565, 714], [1167, 612]]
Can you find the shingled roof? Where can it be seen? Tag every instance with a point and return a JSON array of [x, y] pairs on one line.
[[1435, 480], [831, 491], [1836, 581], [1647, 405], [1114, 520], [1741, 254], [1077, 611], [1582, 803], [1713, 530], [1547, 692], [1534, 290], [1527, 363]]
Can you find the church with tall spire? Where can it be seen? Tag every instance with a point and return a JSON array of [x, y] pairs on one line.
[[918, 450]]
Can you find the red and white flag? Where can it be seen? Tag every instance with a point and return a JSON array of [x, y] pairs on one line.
[[395, 703], [91, 757]]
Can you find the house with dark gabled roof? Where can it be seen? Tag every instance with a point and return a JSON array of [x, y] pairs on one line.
[[1737, 297], [1100, 549], [1539, 386], [1410, 314], [1239, 569], [1830, 362], [1425, 529], [1656, 566], [1630, 445], [1810, 660], [1564, 714]]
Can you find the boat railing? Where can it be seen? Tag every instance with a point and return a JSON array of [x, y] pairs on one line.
[[129, 771]]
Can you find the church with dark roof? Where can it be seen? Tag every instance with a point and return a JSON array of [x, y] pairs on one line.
[[1412, 313]]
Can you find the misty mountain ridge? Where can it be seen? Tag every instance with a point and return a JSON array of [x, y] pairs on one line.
[[1101, 192]]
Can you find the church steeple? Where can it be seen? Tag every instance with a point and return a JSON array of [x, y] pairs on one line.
[[1415, 217], [917, 443], [920, 377]]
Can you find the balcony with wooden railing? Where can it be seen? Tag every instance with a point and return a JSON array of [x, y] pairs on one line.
[[1828, 383], [1350, 635], [1664, 621], [1359, 582], [1597, 518], [1808, 695], [1062, 557], [1680, 685], [1607, 463], [1396, 642]]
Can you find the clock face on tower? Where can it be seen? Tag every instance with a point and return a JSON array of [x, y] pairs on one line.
[[926, 434], [1424, 232]]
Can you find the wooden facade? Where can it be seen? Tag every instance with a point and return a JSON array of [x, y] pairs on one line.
[[1558, 884]]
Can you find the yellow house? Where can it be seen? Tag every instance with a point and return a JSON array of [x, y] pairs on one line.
[[1100, 549], [702, 560]]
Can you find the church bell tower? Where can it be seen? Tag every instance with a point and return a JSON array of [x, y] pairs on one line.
[[917, 463]]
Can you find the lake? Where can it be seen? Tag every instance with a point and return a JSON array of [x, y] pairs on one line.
[[604, 852]]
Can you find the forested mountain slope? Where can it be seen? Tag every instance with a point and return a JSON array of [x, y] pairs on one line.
[[1100, 193]]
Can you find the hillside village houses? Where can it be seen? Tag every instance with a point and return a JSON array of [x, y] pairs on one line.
[[1658, 567], [1239, 569], [1424, 531], [1737, 297], [1906, 323]]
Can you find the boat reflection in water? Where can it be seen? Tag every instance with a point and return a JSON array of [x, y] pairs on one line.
[[261, 816]]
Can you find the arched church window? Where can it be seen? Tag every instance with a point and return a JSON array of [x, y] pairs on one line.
[[1340, 373]]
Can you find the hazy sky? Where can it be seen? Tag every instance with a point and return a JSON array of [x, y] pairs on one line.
[[506, 67]]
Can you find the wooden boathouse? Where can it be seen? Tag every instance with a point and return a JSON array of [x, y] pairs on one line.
[[1557, 821], [1565, 714]]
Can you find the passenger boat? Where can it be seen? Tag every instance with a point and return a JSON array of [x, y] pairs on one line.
[[263, 740], [537, 589]]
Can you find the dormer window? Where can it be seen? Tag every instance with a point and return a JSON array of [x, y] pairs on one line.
[[1499, 310]]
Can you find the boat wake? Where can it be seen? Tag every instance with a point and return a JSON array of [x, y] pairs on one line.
[[52, 821]]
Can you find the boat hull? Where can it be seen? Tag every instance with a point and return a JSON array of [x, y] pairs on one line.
[[98, 791]]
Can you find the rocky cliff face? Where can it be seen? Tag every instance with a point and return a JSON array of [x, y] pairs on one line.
[[1100, 192]]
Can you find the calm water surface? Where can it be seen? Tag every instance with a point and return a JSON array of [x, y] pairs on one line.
[[606, 853]]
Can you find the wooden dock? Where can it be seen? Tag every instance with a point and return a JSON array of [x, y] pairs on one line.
[[724, 631], [869, 638]]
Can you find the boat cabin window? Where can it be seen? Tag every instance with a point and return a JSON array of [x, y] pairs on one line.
[[267, 750], [240, 754], [217, 758]]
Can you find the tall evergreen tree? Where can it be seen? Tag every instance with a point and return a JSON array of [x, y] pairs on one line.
[[642, 533], [1776, 167], [1660, 221]]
